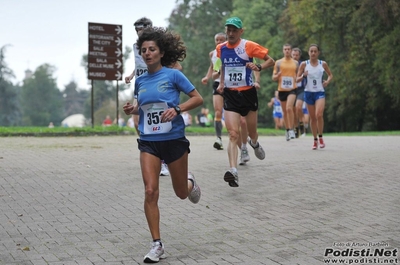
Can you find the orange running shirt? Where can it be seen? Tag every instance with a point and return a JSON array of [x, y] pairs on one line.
[[234, 58], [288, 69]]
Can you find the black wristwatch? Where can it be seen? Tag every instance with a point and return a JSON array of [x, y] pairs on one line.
[[259, 67], [177, 109]]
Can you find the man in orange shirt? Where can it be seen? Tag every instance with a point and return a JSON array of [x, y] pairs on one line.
[[285, 73], [239, 92]]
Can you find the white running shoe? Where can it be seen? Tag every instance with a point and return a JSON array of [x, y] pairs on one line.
[[218, 144], [164, 169], [292, 134], [195, 194], [244, 157], [258, 150], [156, 253], [287, 136]]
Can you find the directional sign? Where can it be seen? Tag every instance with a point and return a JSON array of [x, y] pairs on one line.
[[105, 52], [102, 51], [108, 41], [105, 75], [105, 63]]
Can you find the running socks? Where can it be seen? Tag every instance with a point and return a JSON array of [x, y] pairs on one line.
[[158, 240], [218, 128]]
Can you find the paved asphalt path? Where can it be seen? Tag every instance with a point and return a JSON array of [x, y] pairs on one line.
[[79, 200]]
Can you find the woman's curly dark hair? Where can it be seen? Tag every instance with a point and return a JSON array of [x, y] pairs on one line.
[[169, 43]]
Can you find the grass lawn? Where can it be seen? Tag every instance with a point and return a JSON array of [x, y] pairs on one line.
[[115, 130]]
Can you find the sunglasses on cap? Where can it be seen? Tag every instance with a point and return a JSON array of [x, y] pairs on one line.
[[140, 26]]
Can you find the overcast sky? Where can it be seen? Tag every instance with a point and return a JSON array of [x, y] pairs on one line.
[[56, 32]]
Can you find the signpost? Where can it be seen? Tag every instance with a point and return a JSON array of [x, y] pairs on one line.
[[105, 54]]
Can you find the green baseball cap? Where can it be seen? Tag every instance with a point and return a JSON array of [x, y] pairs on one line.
[[234, 21]]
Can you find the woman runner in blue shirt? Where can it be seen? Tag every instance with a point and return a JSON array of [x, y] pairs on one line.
[[162, 129]]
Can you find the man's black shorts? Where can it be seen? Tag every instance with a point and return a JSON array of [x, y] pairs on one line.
[[283, 95], [241, 101]]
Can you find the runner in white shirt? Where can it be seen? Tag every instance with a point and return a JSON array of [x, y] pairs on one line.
[[314, 92]]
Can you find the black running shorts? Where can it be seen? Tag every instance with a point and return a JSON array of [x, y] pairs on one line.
[[215, 86], [241, 101], [169, 151], [283, 95]]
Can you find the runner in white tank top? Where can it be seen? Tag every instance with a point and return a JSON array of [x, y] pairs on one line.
[[314, 93], [218, 100]]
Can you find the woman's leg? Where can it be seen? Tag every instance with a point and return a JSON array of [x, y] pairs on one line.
[[179, 176], [151, 166], [277, 123], [319, 114], [313, 120]]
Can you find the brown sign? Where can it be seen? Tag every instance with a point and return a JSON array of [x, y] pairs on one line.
[[108, 41], [102, 51], [105, 63], [105, 75], [105, 52], [108, 29]]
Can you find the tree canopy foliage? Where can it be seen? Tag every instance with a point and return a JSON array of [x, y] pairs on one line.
[[197, 22], [359, 39], [42, 100], [10, 113], [74, 99]]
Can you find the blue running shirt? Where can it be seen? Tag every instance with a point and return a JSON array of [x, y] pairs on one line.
[[157, 92]]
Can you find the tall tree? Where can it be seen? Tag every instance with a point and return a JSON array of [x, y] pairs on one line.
[[260, 21], [197, 22], [74, 99], [10, 113], [104, 91], [386, 63], [41, 100], [359, 40]]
